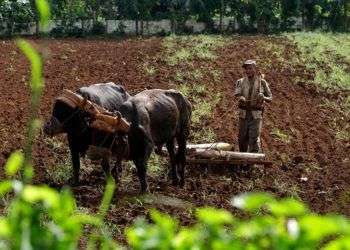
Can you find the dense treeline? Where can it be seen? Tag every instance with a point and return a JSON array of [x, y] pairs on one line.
[[251, 15]]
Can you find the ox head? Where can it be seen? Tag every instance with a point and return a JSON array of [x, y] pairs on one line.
[[65, 119]]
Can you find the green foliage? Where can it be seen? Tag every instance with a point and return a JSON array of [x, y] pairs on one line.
[[182, 49], [272, 224], [15, 16], [44, 11], [328, 54], [39, 217], [281, 135], [252, 15], [156, 165]]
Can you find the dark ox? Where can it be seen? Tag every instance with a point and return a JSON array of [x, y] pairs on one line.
[[75, 122], [157, 117]]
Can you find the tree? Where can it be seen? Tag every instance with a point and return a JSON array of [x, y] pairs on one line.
[[290, 9], [16, 15]]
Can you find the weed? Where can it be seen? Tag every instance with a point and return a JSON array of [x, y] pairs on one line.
[[54, 143], [216, 75], [197, 74], [204, 135], [156, 165], [149, 69], [328, 55], [181, 49], [110, 229], [185, 89], [179, 76], [284, 158], [287, 189], [61, 172], [181, 56], [280, 135], [199, 89], [201, 111], [343, 135]]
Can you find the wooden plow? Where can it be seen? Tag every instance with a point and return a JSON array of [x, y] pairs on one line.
[[221, 154]]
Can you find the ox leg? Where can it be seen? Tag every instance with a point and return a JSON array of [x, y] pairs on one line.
[[181, 159], [76, 167], [106, 167], [141, 173], [173, 168], [117, 170], [75, 157]]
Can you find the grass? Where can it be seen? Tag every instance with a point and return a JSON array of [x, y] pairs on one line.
[[339, 123], [156, 165], [281, 135], [54, 143], [286, 188], [61, 168], [204, 135], [61, 171], [183, 50], [328, 54], [149, 69]]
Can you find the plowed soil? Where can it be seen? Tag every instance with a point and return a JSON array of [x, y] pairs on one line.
[[310, 164]]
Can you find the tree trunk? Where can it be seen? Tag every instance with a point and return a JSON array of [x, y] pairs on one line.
[[345, 15], [37, 27], [221, 14], [141, 23], [137, 26]]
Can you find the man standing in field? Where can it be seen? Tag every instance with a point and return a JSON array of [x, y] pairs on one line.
[[252, 92]]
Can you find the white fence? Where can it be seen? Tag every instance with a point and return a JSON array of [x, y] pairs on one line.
[[149, 27]]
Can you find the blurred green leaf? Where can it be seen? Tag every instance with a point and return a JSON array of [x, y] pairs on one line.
[[67, 202], [87, 219], [287, 207], [44, 11], [36, 82], [212, 216], [251, 201], [14, 163], [5, 186], [4, 227], [187, 239], [107, 197], [317, 227], [165, 222], [44, 194], [257, 226], [339, 244]]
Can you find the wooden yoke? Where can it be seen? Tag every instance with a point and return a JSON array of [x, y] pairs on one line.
[[103, 119]]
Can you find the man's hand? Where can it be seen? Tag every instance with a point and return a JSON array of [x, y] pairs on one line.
[[260, 99], [241, 101]]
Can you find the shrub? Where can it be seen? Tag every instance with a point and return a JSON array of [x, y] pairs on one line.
[[271, 224], [98, 29], [58, 31]]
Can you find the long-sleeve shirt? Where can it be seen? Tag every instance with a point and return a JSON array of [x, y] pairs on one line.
[[250, 91]]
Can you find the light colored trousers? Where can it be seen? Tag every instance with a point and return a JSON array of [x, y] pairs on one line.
[[249, 134]]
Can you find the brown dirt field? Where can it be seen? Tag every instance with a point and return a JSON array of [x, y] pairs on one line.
[[312, 151]]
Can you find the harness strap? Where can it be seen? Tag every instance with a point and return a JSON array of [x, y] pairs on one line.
[[103, 119]]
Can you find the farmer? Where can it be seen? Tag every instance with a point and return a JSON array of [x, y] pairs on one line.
[[252, 92]]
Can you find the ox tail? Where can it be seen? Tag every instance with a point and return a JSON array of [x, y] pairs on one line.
[[186, 114]]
